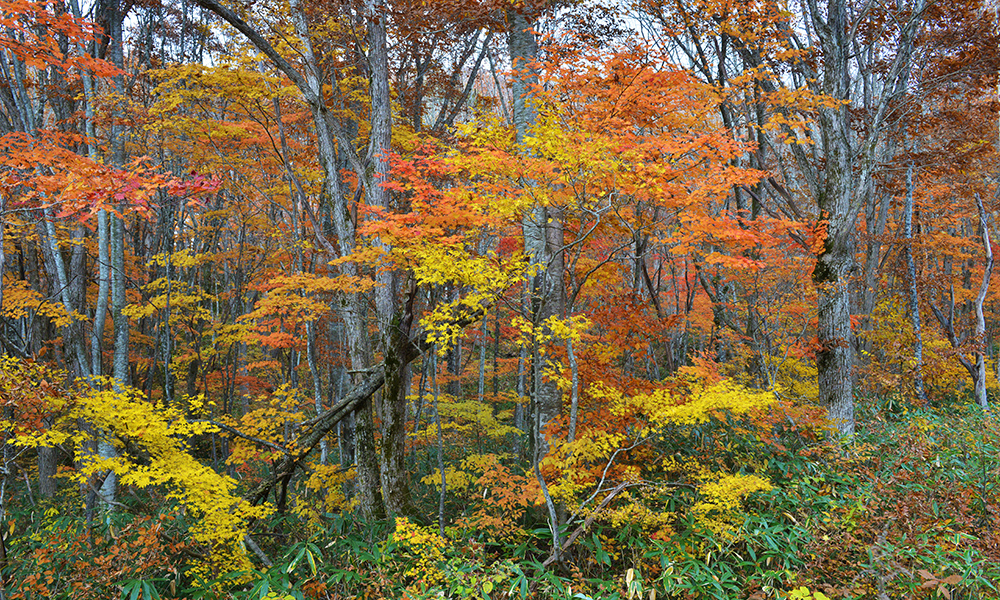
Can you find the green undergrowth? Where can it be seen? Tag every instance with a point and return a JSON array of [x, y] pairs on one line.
[[907, 508]]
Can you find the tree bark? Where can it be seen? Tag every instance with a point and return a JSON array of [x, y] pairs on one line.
[[574, 405], [843, 182], [914, 299], [48, 462], [980, 378], [440, 441], [393, 325], [542, 226], [112, 17]]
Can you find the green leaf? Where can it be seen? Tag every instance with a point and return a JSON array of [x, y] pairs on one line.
[[312, 562], [149, 592], [132, 588], [295, 561]]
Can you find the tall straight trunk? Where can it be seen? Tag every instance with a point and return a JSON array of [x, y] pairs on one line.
[[34, 333], [835, 358], [521, 419], [454, 356], [103, 288], [48, 463], [536, 460], [110, 14], [980, 378], [78, 278], [481, 390], [103, 257], [440, 441], [166, 331], [317, 383], [914, 299], [116, 247], [392, 446], [574, 405], [338, 387], [542, 226], [119, 301]]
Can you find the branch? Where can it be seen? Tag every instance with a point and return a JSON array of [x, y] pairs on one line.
[[321, 425], [105, 499], [244, 436], [256, 550], [586, 522], [985, 286], [604, 474], [263, 45]]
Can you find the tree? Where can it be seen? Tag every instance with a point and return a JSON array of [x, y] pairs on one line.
[[839, 141], [390, 314]]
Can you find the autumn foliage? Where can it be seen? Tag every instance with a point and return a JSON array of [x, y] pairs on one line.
[[498, 299]]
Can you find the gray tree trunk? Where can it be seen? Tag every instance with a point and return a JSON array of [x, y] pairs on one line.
[[317, 383], [980, 378], [914, 299], [835, 199], [542, 226], [842, 180], [392, 323], [574, 404], [440, 441], [116, 247], [48, 462]]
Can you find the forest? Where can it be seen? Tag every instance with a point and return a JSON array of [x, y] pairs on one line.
[[499, 299]]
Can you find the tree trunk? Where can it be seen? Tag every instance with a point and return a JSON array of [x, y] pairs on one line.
[[440, 441], [393, 325], [112, 18], [48, 462], [574, 405], [835, 357], [316, 381], [914, 299], [842, 183], [481, 387], [103, 287], [542, 226], [980, 378]]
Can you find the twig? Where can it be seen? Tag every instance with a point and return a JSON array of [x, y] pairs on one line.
[[106, 500]]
